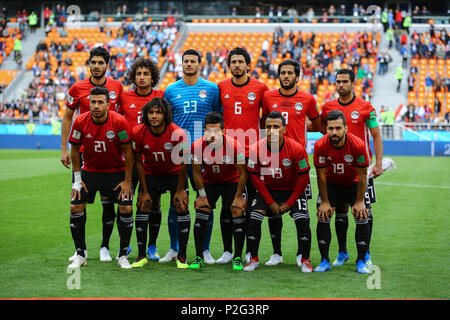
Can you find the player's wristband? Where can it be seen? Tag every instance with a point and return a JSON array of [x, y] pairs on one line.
[[202, 193], [77, 181]]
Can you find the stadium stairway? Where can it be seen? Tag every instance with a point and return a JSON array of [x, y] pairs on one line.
[[24, 77], [385, 86]]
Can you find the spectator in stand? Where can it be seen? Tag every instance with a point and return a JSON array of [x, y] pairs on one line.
[[411, 81], [292, 14]]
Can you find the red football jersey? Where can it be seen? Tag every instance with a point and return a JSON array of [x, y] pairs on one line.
[[294, 108], [219, 165], [131, 103], [163, 153], [241, 107], [101, 142], [78, 96], [279, 170], [341, 163], [359, 114]]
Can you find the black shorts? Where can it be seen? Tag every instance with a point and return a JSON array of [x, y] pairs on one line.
[[158, 185], [105, 184], [216, 190], [339, 196], [280, 196]]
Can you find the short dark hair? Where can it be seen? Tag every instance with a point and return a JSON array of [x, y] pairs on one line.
[[347, 71], [160, 104], [100, 51], [276, 115], [97, 90], [239, 52], [214, 117], [335, 115], [194, 53], [148, 63], [290, 62]]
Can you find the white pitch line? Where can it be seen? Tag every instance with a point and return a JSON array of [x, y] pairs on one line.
[[404, 184]]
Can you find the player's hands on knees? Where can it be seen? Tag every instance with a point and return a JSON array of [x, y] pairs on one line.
[[359, 210], [275, 208], [76, 190], [238, 206], [202, 203], [325, 211], [181, 201], [65, 159], [125, 190], [284, 208], [144, 201]]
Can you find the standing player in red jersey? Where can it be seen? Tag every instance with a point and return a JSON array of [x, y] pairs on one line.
[[296, 107], [361, 119], [283, 164], [159, 145], [218, 164], [78, 100], [341, 163], [241, 98], [144, 75], [105, 137]]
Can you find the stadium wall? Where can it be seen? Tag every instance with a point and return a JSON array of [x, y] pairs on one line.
[[391, 147]]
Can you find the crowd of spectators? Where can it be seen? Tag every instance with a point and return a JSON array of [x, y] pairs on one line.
[[44, 97]]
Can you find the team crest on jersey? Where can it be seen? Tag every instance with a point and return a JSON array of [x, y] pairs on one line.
[[348, 158], [202, 94], [286, 162], [168, 146], [251, 96], [110, 134], [354, 115], [112, 95], [298, 106]]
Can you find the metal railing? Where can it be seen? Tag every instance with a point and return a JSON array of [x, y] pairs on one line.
[[397, 130]]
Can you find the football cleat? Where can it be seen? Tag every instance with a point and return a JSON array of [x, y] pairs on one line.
[[299, 260], [252, 265], [153, 253], [72, 258], [361, 267], [170, 256], [208, 257], [77, 262], [341, 258], [181, 263], [140, 262], [104, 254], [274, 260], [225, 258], [368, 260], [237, 264], [323, 266], [128, 252], [197, 263], [306, 266], [123, 262]]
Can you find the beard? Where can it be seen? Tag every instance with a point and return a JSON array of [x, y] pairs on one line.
[[334, 140], [189, 74], [99, 76], [238, 74], [288, 86]]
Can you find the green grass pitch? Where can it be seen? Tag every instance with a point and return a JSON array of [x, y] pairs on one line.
[[409, 245]]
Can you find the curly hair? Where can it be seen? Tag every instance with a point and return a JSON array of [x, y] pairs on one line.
[[160, 104], [144, 63]]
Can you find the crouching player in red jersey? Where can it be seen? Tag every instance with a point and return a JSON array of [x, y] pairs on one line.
[[283, 164], [105, 137], [218, 163], [341, 163], [162, 144]]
